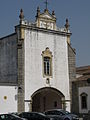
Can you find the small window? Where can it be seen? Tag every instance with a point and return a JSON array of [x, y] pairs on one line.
[[84, 101]]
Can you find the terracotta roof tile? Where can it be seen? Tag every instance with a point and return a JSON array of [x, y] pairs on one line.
[[84, 72]]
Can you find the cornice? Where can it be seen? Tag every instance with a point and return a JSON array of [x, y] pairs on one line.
[[34, 28]]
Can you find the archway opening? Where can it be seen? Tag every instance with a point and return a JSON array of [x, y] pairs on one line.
[[47, 98]]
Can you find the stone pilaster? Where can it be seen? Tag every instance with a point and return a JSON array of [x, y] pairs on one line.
[[72, 68], [31, 105], [20, 57]]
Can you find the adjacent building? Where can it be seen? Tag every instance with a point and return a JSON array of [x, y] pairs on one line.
[[81, 91]]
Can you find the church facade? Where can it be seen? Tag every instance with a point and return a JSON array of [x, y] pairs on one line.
[[37, 65]]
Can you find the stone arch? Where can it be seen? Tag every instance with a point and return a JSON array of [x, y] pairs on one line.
[[47, 98]]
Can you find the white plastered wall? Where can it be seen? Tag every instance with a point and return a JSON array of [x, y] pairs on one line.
[[35, 43], [7, 99]]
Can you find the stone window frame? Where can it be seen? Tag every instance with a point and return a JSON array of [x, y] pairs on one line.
[[83, 103], [47, 54]]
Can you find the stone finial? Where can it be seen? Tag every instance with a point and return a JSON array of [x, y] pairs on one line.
[[46, 10], [38, 11], [67, 24], [53, 13], [21, 16]]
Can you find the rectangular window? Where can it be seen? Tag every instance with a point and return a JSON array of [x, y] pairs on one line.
[[46, 65], [47, 62]]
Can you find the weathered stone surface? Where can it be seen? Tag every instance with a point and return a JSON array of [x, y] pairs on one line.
[[8, 60], [72, 70]]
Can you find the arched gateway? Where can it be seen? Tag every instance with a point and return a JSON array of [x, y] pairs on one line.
[[47, 98]]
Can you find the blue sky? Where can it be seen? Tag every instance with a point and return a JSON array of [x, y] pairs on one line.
[[77, 11]]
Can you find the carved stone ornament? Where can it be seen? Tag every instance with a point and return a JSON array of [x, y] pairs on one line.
[[47, 52]]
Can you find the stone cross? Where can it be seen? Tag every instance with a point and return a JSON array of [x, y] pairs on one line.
[[46, 3]]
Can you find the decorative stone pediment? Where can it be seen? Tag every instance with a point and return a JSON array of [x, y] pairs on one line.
[[47, 52], [47, 16], [45, 19]]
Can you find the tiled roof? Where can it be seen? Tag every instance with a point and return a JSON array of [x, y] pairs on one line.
[[83, 72], [84, 77]]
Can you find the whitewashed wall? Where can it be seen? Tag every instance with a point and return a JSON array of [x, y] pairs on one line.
[[35, 43], [9, 104], [87, 91]]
